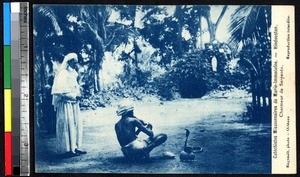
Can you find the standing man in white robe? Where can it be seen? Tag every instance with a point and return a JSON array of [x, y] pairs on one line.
[[66, 93]]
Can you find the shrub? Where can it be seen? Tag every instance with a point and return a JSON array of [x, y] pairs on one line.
[[191, 76]]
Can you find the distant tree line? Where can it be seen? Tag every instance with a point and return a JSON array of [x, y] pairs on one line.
[[184, 65]]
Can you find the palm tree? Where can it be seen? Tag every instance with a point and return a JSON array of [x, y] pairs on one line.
[[251, 26], [250, 22], [198, 13], [95, 18], [46, 27]]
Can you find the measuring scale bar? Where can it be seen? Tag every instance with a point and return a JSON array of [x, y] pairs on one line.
[[24, 90]]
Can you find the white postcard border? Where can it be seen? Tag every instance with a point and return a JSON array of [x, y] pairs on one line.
[[283, 90]]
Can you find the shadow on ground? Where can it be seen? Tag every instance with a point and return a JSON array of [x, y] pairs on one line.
[[230, 145]]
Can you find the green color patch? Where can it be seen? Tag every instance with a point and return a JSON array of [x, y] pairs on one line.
[[7, 67]]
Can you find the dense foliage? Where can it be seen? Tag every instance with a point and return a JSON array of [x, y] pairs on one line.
[[157, 51]]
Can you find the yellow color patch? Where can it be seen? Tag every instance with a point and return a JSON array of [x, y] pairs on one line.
[[7, 109]]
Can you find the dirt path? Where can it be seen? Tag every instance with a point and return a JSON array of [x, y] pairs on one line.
[[229, 144]]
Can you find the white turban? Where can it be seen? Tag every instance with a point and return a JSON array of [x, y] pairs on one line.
[[124, 107]]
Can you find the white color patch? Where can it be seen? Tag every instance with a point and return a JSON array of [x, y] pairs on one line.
[[15, 7]]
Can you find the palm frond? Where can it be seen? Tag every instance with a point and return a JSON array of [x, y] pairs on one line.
[[241, 20], [249, 22], [48, 13]]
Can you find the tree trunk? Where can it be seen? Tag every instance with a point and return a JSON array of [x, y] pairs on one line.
[[263, 88], [136, 50], [178, 14], [98, 82], [43, 83], [200, 30], [95, 68], [213, 27], [253, 90], [43, 77], [196, 35]]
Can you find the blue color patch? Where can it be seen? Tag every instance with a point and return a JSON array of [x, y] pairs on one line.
[[6, 23]]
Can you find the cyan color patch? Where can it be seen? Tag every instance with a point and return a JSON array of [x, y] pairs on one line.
[[6, 23]]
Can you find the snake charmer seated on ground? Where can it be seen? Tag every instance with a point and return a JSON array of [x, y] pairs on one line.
[[127, 130]]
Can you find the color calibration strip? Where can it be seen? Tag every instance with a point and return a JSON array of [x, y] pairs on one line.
[[7, 90], [16, 88]]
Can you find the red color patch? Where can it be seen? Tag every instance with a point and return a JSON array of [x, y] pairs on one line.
[[8, 153]]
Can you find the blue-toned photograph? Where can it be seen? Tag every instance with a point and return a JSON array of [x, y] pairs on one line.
[[152, 89]]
